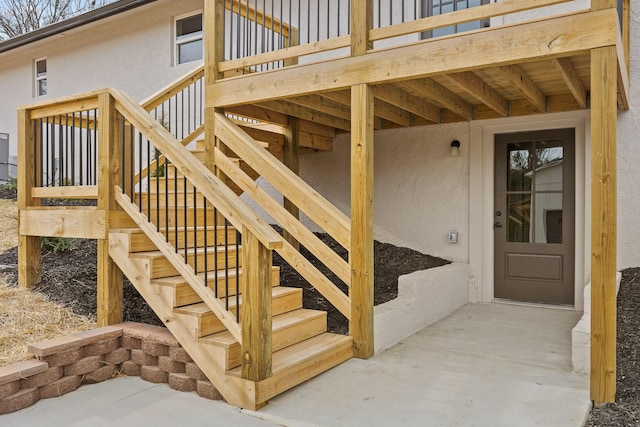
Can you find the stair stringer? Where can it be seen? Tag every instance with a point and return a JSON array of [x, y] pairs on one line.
[[236, 391]]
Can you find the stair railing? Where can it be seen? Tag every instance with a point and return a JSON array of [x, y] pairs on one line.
[[179, 107], [97, 143], [206, 201], [294, 189]]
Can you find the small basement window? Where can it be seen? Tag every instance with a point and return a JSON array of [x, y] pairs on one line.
[[40, 77], [188, 43]]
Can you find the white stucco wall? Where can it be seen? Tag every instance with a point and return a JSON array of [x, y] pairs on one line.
[[421, 192], [132, 51]]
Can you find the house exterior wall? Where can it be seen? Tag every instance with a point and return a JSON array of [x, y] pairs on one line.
[[420, 191], [123, 51]]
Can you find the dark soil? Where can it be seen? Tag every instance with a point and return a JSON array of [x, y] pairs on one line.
[[69, 277]]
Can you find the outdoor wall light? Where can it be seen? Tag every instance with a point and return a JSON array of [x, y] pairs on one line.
[[455, 148]]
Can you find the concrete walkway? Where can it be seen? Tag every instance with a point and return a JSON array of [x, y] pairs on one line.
[[485, 365]]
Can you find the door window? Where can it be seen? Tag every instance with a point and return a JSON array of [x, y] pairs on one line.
[[534, 192]]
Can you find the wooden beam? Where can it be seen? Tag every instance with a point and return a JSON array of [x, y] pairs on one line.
[[323, 104], [109, 281], [394, 95], [259, 113], [291, 109], [572, 80], [479, 89], [291, 160], [361, 24], [256, 309], [439, 95], [527, 87], [344, 98], [603, 224], [391, 113], [29, 257], [87, 223], [535, 40], [361, 254]]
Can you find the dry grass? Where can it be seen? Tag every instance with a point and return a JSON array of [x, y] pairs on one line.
[[9, 224], [28, 317]]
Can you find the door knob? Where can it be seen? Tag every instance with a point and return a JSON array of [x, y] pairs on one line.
[[498, 224]]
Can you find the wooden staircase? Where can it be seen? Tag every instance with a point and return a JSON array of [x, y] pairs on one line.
[[301, 346]]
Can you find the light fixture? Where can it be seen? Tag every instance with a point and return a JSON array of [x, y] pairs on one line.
[[455, 148]]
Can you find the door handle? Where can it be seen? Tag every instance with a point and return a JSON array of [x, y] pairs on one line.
[[498, 224]]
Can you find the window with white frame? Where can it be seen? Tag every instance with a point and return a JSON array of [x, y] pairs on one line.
[[440, 7], [188, 41], [40, 76]]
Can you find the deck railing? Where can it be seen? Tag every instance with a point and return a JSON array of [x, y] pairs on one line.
[[310, 30]]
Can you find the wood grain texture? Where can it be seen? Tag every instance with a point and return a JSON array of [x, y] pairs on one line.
[[361, 24], [323, 213], [109, 276], [603, 224], [71, 223], [256, 310], [361, 255], [29, 258]]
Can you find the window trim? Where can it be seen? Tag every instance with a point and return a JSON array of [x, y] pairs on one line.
[[37, 79], [190, 39]]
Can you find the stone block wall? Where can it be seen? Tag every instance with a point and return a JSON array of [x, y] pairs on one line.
[[66, 363]]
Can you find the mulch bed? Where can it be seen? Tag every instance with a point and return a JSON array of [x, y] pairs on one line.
[[69, 277]]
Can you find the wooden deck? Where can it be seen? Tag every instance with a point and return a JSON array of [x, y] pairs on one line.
[[573, 61]]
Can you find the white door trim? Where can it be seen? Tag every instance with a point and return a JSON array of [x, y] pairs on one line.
[[481, 196]]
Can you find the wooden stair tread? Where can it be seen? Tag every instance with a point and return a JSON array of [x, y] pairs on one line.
[[158, 254], [279, 322], [295, 355], [201, 308]]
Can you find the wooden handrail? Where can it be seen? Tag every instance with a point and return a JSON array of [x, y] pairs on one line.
[[223, 198], [459, 17], [172, 89], [260, 17], [286, 53], [302, 234], [323, 213]]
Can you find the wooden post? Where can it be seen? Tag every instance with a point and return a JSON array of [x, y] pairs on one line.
[[256, 308], [29, 257], [214, 11], [626, 31], [361, 256], [291, 160], [603, 224], [109, 275], [361, 23]]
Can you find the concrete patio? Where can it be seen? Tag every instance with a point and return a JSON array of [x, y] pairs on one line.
[[484, 365]]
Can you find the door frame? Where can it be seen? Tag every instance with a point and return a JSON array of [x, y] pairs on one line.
[[481, 197]]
